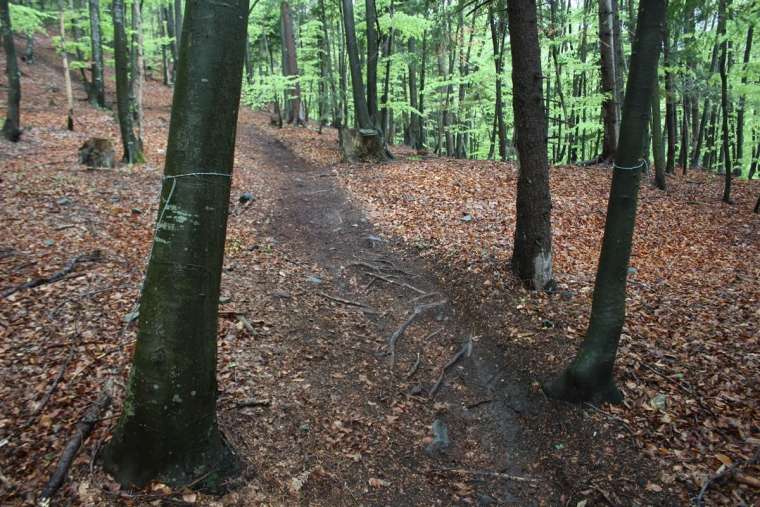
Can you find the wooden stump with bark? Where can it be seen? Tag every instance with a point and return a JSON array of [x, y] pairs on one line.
[[97, 152], [362, 145]]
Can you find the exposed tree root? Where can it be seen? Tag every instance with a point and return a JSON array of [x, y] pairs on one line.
[[58, 275], [418, 310], [466, 350]]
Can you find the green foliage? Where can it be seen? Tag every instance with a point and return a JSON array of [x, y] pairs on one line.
[[28, 20]]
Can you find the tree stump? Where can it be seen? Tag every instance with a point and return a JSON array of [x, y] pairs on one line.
[[97, 152], [362, 145]]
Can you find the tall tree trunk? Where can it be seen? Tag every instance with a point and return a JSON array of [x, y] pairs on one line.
[[132, 149], [532, 254], [169, 16], [276, 99], [706, 107], [66, 74], [497, 39], [12, 124], [414, 120], [96, 42], [670, 103], [372, 54], [29, 51], [423, 69], [722, 11], [385, 112], [327, 56], [178, 21], [168, 430], [658, 150], [164, 55], [293, 107], [367, 143], [590, 376], [683, 154], [742, 100], [608, 71], [137, 76], [357, 86]]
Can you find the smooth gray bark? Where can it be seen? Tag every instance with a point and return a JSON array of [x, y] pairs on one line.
[[590, 376], [168, 430]]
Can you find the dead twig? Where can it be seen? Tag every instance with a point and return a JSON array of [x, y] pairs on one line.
[[423, 297], [699, 501], [466, 350], [254, 402], [58, 275], [81, 431], [486, 473], [375, 276], [418, 310], [613, 417], [49, 394], [347, 302], [380, 269]]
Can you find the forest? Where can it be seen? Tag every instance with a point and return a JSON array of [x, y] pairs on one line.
[[338, 252]]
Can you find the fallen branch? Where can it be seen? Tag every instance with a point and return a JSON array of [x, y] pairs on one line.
[[380, 269], [699, 501], [53, 386], [82, 430], [254, 402], [486, 473], [58, 275], [394, 282], [346, 302], [418, 310], [466, 350], [424, 296]]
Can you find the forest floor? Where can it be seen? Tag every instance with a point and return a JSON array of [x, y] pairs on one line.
[[321, 269]]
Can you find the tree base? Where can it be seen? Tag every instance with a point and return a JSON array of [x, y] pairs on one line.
[[575, 388], [11, 132], [207, 469], [362, 145]]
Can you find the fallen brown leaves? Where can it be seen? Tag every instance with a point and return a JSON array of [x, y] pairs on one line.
[[690, 349], [689, 355]]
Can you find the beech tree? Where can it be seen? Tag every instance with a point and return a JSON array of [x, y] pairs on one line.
[[66, 74], [590, 376], [727, 167], [293, 105], [12, 124], [96, 42], [532, 254], [132, 144], [168, 429], [366, 142], [609, 67]]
